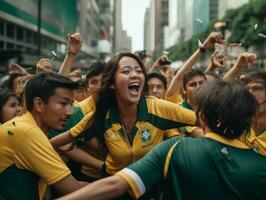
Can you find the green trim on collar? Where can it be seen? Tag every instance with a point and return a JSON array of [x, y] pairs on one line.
[[185, 104], [142, 114]]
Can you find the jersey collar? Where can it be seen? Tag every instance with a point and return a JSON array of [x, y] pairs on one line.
[[231, 142]]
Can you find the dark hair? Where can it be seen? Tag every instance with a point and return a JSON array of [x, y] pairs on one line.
[[215, 76], [106, 97], [192, 73], [4, 96], [95, 69], [158, 75], [227, 107], [254, 76], [12, 77], [43, 85]]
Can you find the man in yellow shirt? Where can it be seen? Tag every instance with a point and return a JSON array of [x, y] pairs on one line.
[[27, 160], [256, 84]]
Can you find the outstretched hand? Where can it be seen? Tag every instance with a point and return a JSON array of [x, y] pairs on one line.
[[245, 59], [75, 42]]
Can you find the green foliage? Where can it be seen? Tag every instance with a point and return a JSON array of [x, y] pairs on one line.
[[241, 24]]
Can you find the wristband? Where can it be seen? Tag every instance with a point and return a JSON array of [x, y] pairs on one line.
[[71, 54]]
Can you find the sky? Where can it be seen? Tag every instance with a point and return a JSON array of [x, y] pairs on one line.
[[133, 12]]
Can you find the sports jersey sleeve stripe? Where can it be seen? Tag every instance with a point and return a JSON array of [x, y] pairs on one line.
[[136, 184], [168, 158]]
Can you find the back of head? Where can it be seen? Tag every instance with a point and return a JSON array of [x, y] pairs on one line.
[[226, 106], [43, 85], [257, 76]]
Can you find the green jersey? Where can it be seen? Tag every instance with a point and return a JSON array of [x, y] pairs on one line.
[[200, 168]]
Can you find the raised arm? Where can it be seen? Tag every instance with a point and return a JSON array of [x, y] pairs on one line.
[[244, 60], [216, 60], [176, 83], [74, 45]]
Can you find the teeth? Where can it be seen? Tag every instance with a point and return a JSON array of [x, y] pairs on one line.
[[134, 84]]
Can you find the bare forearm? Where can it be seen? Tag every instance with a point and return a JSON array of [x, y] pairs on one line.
[[66, 66], [232, 72], [210, 68], [84, 158], [62, 139], [103, 189], [175, 84]]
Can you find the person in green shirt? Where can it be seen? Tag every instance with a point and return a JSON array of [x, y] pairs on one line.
[[218, 166]]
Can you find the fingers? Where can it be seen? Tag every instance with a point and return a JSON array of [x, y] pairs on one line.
[[75, 37], [249, 57], [216, 37]]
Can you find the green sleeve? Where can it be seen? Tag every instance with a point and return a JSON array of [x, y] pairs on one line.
[[148, 171]]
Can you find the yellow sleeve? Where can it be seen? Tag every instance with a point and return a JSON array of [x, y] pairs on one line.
[[175, 98], [87, 105], [172, 112], [172, 133], [37, 155], [82, 125]]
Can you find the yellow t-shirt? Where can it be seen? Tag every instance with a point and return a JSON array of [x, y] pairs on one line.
[[175, 98], [155, 120], [87, 105], [257, 142], [25, 149]]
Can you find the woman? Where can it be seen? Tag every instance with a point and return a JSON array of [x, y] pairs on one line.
[[218, 166], [125, 122], [9, 105]]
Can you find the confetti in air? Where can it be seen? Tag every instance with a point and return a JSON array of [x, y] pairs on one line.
[[53, 53], [199, 20], [165, 52], [199, 43], [255, 26], [262, 35], [53, 57]]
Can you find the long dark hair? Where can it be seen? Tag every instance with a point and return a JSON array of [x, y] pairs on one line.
[[106, 96]]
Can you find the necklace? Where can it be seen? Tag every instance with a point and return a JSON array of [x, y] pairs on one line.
[[129, 125]]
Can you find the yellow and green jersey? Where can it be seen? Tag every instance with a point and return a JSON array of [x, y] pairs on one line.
[[79, 111], [200, 168], [186, 129], [156, 119], [27, 160], [258, 142]]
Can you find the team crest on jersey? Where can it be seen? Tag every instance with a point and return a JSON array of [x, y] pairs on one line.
[[145, 135]]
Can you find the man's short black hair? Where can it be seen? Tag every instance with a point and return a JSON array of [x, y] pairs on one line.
[[158, 75], [226, 106], [254, 77], [43, 85], [95, 69], [192, 73]]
